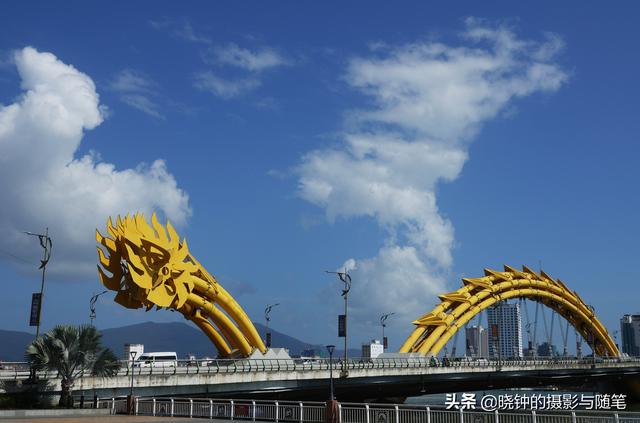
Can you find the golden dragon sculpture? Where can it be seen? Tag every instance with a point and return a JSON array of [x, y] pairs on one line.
[[149, 266]]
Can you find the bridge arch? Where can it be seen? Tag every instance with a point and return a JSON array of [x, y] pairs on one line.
[[435, 328]]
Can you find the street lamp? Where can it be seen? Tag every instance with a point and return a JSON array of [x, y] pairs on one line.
[[46, 244], [132, 354], [331, 348], [92, 306], [383, 322], [268, 319], [346, 279]]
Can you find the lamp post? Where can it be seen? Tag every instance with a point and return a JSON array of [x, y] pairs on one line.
[[132, 354], [92, 306], [46, 244], [267, 320], [383, 322], [346, 279], [331, 348]]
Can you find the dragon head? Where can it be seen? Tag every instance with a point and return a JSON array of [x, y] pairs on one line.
[[148, 267]]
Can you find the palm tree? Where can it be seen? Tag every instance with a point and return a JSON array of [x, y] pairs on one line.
[[71, 351]]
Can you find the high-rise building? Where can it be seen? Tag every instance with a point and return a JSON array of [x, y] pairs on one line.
[[505, 331], [477, 341], [630, 330]]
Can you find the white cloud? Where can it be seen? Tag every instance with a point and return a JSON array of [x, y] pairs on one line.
[[254, 61], [47, 186], [225, 88], [428, 101], [138, 91], [251, 62], [180, 29], [396, 281]]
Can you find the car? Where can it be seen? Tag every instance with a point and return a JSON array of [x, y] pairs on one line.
[[157, 359]]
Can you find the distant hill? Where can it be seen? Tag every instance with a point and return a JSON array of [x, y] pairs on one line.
[[13, 344], [175, 336], [183, 339]]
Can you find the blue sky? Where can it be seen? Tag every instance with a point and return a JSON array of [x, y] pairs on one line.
[[414, 144]]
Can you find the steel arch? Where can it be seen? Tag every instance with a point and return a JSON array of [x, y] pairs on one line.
[[435, 328]]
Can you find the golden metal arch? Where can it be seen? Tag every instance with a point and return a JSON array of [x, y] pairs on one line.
[[148, 266], [435, 328]]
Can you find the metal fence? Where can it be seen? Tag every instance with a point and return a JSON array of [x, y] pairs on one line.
[[271, 411], [20, 370], [314, 412]]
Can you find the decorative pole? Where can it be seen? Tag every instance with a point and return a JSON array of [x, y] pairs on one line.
[[92, 306], [267, 319], [46, 244], [346, 279], [383, 322]]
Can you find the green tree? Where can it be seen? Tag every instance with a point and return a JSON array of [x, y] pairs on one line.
[[72, 351]]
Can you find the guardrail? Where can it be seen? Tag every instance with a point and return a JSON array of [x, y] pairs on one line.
[[315, 412], [20, 370]]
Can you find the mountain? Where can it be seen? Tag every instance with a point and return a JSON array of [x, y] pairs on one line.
[[180, 337], [183, 339], [13, 344]]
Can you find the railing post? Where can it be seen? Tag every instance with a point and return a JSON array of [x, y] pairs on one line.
[[533, 416], [172, 404], [301, 412], [190, 407], [366, 410], [153, 410], [253, 411], [136, 411], [113, 406], [461, 416], [277, 411], [211, 409], [339, 413], [232, 411], [573, 417], [616, 417], [497, 416], [428, 415]]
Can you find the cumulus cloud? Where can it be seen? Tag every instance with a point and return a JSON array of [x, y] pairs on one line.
[[428, 100], [44, 184], [138, 91]]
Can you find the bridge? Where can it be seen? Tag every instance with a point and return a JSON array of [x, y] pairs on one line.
[[367, 380], [149, 266]]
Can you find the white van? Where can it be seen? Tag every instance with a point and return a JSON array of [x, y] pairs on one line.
[[157, 359]]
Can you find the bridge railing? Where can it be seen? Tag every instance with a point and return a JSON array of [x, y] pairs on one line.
[[20, 370], [274, 411], [314, 412]]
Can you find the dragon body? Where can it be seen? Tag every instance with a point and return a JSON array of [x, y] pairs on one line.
[[148, 265]]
